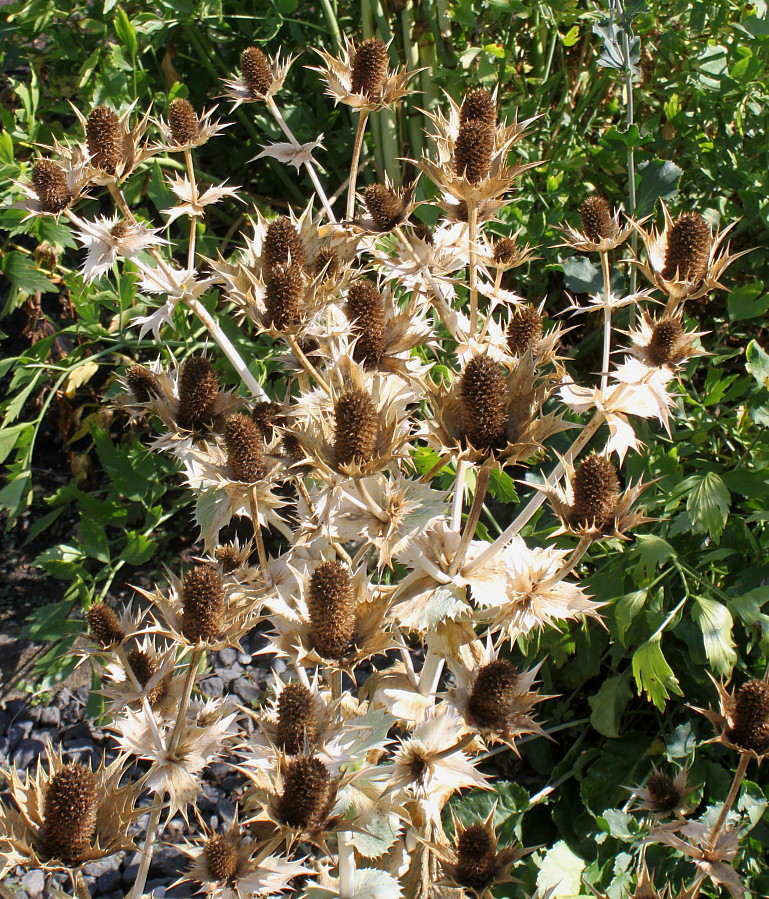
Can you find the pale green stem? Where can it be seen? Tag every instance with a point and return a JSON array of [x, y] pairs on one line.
[[193, 222], [472, 227], [606, 320], [257, 528], [459, 495], [333, 25], [474, 515], [346, 866], [362, 118], [137, 891], [412, 62], [430, 674]]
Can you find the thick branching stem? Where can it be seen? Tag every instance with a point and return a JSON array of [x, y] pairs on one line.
[[148, 849], [362, 119]]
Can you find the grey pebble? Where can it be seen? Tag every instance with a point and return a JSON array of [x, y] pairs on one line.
[[107, 882], [50, 716], [33, 883], [230, 673], [17, 732], [212, 686], [244, 658], [27, 752], [247, 691], [227, 656]]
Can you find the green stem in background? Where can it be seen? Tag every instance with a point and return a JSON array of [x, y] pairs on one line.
[[606, 320], [481, 486], [444, 19], [193, 222], [333, 25], [734, 791], [411, 50], [359, 131], [472, 227]]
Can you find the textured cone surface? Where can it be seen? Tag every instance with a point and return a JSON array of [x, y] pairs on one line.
[[285, 292], [664, 796], [282, 244], [202, 605], [751, 717], [50, 184], [183, 121], [104, 625], [297, 719], [228, 557], [69, 812], [478, 106], [293, 448], [305, 793], [484, 403], [369, 68], [331, 606], [267, 416], [143, 383], [597, 221], [493, 695], [245, 455], [505, 251], [664, 341], [424, 233], [473, 149], [366, 310], [104, 139], [221, 857], [327, 265], [356, 427], [688, 249], [476, 858], [384, 206], [525, 329], [596, 492], [144, 667], [255, 71], [198, 391]]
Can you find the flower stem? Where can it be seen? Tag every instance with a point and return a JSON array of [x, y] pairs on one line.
[[430, 674], [193, 222], [606, 319], [79, 884], [734, 790], [147, 850], [474, 515], [346, 867], [459, 495], [362, 119], [307, 365], [472, 227], [260, 549], [189, 683]]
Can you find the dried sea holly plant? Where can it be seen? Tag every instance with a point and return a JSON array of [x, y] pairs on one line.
[[398, 622]]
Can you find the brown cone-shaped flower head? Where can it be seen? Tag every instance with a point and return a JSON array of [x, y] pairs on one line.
[[331, 606], [285, 292], [255, 70], [478, 106], [327, 264], [142, 383], [245, 453], [365, 309], [483, 393], [50, 184], [493, 695], [144, 667], [688, 249], [202, 605], [664, 795], [369, 68], [384, 206], [524, 330], [595, 486], [267, 415], [69, 813], [104, 625], [297, 719], [183, 121], [306, 785], [751, 717], [664, 341], [282, 244], [228, 557], [221, 857], [198, 390], [473, 149], [597, 221], [356, 427], [477, 866], [506, 251], [104, 139]]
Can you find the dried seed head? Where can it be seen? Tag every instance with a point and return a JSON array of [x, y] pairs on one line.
[[145, 667], [369, 68], [104, 139], [384, 206], [493, 695], [50, 184], [595, 486], [119, 230], [473, 149], [142, 383], [524, 330], [484, 398], [282, 244], [297, 719], [424, 233], [478, 106], [688, 249], [477, 866], [228, 557], [306, 787], [664, 341], [664, 795], [365, 309], [267, 416], [327, 265], [221, 857], [597, 221], [331, 606], [255, 71], [284, 296], [69, 813], [183, 121], [244, 442], [506, 251], [751, 717], [202, 605], [293, 448], [198, 392], [356, 427], [104, 625]]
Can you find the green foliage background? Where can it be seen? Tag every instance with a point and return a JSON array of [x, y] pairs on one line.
[[688, 594]]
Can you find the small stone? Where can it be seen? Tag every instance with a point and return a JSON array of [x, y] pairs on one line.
[[5, 720], [50, 716], [62, 698], [230, 673], [130, 873], [34, 883], [279, 666], [107, 882], [212, 686], [247, 691], [17, 732], [244, 658], [227, 656], [218, 770], [15, 707], [27, 752], [156, 888], [81, 750]]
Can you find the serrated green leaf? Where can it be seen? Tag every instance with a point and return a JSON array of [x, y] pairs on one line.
[[652, 552], [94, 540], [561, 872], [653, 675], [212, 513], [609, 704], [126, 32], [626, 608], [757, 363], [502, 487], [138, 548], [708, 504], [716, 623], [22, 271]]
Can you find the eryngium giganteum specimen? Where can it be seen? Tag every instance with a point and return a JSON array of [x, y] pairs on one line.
[[104, 139], [332, 610], [69, 813], [50, 184], [203, 605]]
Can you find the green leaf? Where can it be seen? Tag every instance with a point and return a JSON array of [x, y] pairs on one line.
[[609, 704], [138, 549], [561, 872], [653, 675], [747, 301], [757, 363], [22, 271], [658, 179], [62, 561], [10, 437], [502, 487], [708, 504], [93, 539], [571, 37], [625, 610], [716, 623], [52, 622], [126, 32], [212, 512], [652, 552]]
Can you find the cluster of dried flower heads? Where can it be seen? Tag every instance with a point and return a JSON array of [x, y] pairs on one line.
[[367, 579]]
